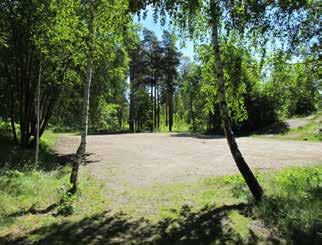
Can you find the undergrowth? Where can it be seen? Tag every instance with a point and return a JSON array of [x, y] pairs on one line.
[[39, 198], [292, 202]]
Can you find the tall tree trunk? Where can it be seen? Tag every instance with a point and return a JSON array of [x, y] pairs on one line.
[[132, 102], [166, 112], [12, 106], [170, 112], [155, 105], [12, 120], [158, 108], [80, 154], [152, 105], [246, 172], [192, 114], [38, 112]]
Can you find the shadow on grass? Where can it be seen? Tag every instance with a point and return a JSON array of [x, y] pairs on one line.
[[33, 210], [14, 157], [203, 227], [276, 128]]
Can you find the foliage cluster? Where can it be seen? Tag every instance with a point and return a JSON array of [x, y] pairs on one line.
[[257, 96], [47, 42]]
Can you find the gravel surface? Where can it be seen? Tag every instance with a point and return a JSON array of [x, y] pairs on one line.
[[147, 159]]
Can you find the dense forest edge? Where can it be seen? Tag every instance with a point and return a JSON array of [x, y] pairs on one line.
[[82, 68]]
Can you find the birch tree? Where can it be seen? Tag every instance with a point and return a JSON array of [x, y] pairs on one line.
[[106, 22], [252, 22]]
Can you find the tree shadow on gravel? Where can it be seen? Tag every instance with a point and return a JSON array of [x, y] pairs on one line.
[[206, 226], [198, 136], [64, 159]]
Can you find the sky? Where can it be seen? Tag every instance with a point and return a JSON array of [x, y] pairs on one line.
[[157, 28]]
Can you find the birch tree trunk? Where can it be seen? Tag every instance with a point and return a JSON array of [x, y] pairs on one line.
[[80, 154], [244, 169]]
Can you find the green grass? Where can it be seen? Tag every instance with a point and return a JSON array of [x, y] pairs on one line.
[[22, 193], [26, 190], [9, 152], [240, 224], [292, 203], [310, 132], [161, 201]]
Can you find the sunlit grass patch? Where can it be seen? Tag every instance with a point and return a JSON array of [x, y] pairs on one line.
[[25, 197], [292, 202]]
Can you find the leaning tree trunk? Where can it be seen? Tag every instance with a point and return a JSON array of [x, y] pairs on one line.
[[82, 147], [246, 172], [194, 128]]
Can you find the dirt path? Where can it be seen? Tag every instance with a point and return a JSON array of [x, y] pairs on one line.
[[147, 159]]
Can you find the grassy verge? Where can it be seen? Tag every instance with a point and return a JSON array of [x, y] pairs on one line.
[[33, 199], [292, 202], [290, 209], [15, 156], [163, 201], [310, 132]]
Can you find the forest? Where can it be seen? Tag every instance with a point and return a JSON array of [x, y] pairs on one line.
[[105, 120]]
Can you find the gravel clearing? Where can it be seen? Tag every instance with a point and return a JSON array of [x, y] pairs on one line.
[[155, 158]]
